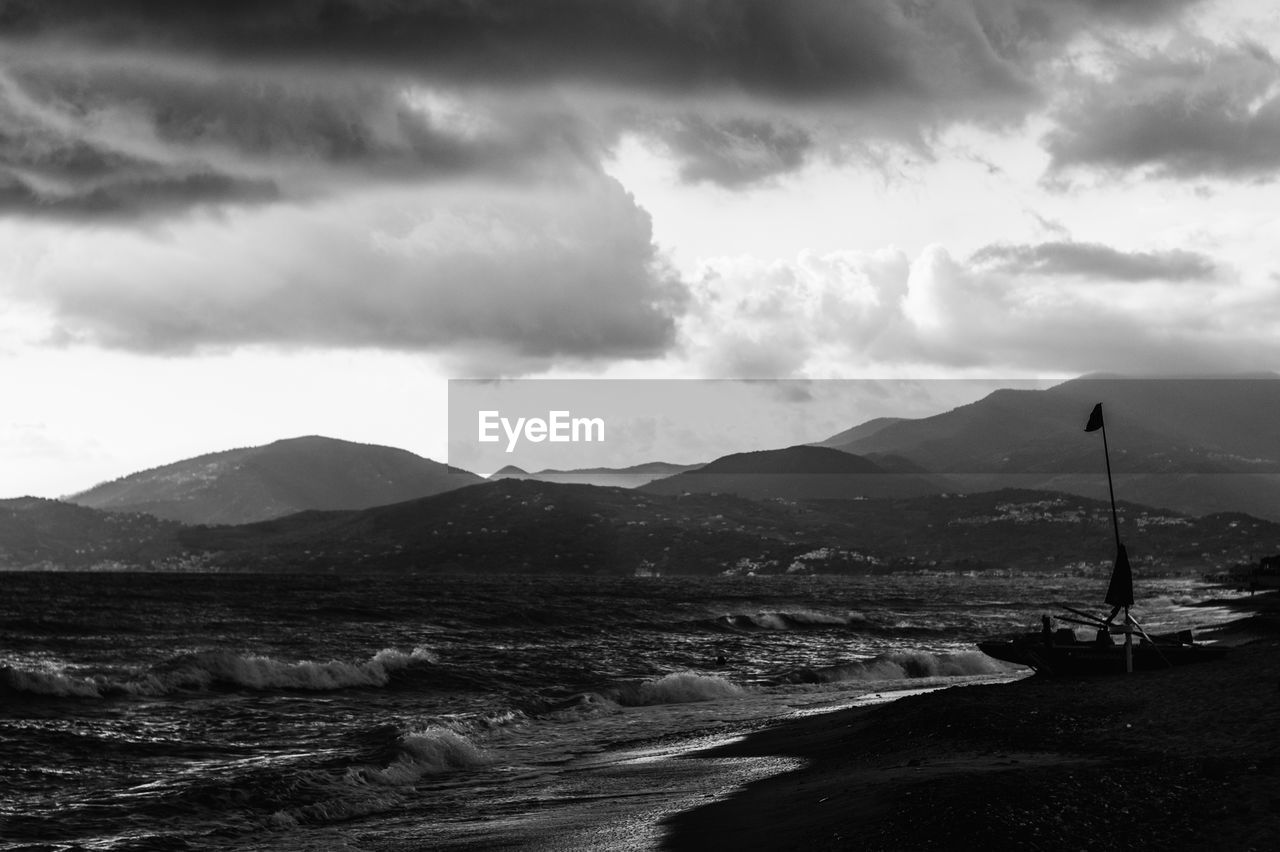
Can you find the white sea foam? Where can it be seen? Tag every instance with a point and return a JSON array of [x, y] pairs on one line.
[[209, 668]]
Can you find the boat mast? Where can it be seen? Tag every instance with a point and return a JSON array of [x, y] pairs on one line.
[[1120, 589], [1111, 489]]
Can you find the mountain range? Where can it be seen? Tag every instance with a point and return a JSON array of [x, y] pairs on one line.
[[940, 487], [1192, 445]]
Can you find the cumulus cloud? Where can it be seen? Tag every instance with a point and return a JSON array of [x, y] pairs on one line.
[[826, 315], [750, 319], [1207, 110], [528, 278], [1093, 260]]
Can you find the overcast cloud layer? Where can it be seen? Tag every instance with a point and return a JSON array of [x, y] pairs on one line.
[[152, 106], [432, 176]]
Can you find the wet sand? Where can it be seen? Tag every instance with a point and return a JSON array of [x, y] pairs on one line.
[[1181, 759]]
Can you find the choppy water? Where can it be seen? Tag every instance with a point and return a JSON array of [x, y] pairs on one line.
[[145, 711]]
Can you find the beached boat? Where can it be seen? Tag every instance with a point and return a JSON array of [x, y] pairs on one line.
[[1061, 651]]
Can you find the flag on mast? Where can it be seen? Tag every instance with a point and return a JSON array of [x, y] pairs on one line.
[[1095, 419]]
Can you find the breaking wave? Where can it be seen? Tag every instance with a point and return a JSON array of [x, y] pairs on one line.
[[47, 683], [422, 752], [902, 665], [677, 688], [369, 789], [789, 620], [209, 669]]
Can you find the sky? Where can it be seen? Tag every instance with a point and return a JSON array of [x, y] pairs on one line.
[[224, 223]]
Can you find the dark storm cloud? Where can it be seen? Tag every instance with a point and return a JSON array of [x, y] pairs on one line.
[[796, 48], [1212, 112], [1092, 260], [805, 48], [735, 152], [223, 86], [130, 196], [86, 137]]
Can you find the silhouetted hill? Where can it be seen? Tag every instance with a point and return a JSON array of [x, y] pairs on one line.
[[896, 464], [43, 534], [256, 483], [648, 468], [801, 459], [525, 525], [1195, 445], [802, 472], [609, 477]]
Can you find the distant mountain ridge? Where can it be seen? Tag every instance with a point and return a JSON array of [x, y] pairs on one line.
[[862, 430], [269, 481], [607, 477], [1195, 445]]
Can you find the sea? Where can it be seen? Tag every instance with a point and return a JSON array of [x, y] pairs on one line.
[[153, 711]]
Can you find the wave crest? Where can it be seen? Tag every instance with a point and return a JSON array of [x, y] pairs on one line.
[[424, 752], [903, 665], [260, 672], [678, 688], [48, 683], [802, 619]]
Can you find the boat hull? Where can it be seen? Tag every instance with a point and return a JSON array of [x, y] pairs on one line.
[[1089, 658]]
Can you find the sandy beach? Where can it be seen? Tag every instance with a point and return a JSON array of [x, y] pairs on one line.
[[1187, 758]]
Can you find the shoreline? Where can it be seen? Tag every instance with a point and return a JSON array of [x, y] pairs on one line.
[[1187, 758]]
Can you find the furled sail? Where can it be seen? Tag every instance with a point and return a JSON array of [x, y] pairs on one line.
[[1120, 590]]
